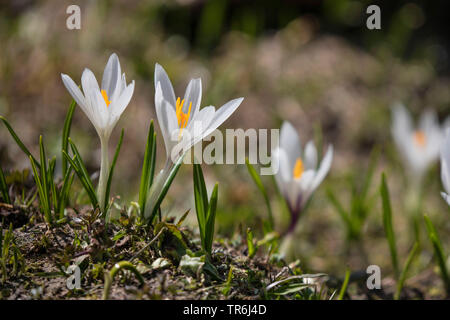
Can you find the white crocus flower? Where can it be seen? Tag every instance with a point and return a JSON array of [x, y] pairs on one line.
[[419, 146], [103, 106], [182, 122], [445, 166], [299, 173]]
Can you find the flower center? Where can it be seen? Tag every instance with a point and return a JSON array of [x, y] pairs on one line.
[[298, 169], [105, 96], [182, 117], [420, 138]]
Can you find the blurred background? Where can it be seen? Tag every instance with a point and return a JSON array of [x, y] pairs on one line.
[[311, 62]]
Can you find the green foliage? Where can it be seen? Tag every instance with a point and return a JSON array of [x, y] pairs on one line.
[[256, 178], [148, 167], [438, 252], [4, 187], [165, 188], [9, 254], [206, 209], [344, 285], [250, 244], [387, 223], [111, 173], [109, 276], [412, 255], [360, 204], [66, 134]]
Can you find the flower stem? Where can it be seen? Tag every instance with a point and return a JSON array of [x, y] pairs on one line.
[[104, 172]]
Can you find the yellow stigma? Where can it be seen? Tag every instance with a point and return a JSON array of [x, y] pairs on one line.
[[182, 117], [105, 96], [420, 138], [298, 169]]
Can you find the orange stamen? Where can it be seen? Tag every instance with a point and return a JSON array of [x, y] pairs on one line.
[[105, 97], [420, 138], [298, 169]]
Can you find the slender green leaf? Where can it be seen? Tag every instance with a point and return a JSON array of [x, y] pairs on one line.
[[438, 252], [148, 167], [387, 222], [370, 171], [250, 244], [201, 200], [109, 277], [4, 187], [41, 192], [87, 186], [165, 188], [52, 185], [80, 162], [66, 133], [210, 219], [44, 176], [401, 281], [344, 285], [65, 188], [18, 141], [262, 189], [338, 206], [111, 172]]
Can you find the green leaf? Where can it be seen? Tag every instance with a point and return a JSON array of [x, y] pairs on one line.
[[342, 213], [165, 188], [80, 164], [401, 281], [87, 186], [109, 277], [250, 244], [66, 133], [201, 200], [148, 167], [210, 220], [111, 172], [370, 171], [4, 187], [344, 285], [52, 185], [259, 184], [387, 222], [65, 188], [438, 252], [18, 141], [41, 192], [44, 176]]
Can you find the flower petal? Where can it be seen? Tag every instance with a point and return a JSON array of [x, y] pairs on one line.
[[117, 107], [223, 114], [325, 166], [310, 156], [193, 95], [166, 86], [290, 142], [74, 91], [112, 77]]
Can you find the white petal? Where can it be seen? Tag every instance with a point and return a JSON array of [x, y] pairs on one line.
[[402, 126], [166, 86], [74, 91], [428, 121], [223, 114], [193, 95], [112, 77], [445, 162], [290, 141], [117, 107], [310, 156], [325, 166], [91, 89], [284, 175], [446, 197], [167, 119]]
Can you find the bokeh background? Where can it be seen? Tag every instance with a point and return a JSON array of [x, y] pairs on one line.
[[313, 63]]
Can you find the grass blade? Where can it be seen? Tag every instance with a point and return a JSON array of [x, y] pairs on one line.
[[52, 185], [44, 176], [210, 219], [64, 193], [4, 187], [80, 163], [250, 244], [165, 188], [111, 172], [37, 179], [87, 186], [259, 184], [201, 199], [65, 135], [387, 222], [148, 167], [344, 285], [438, 252], [401, 281]]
